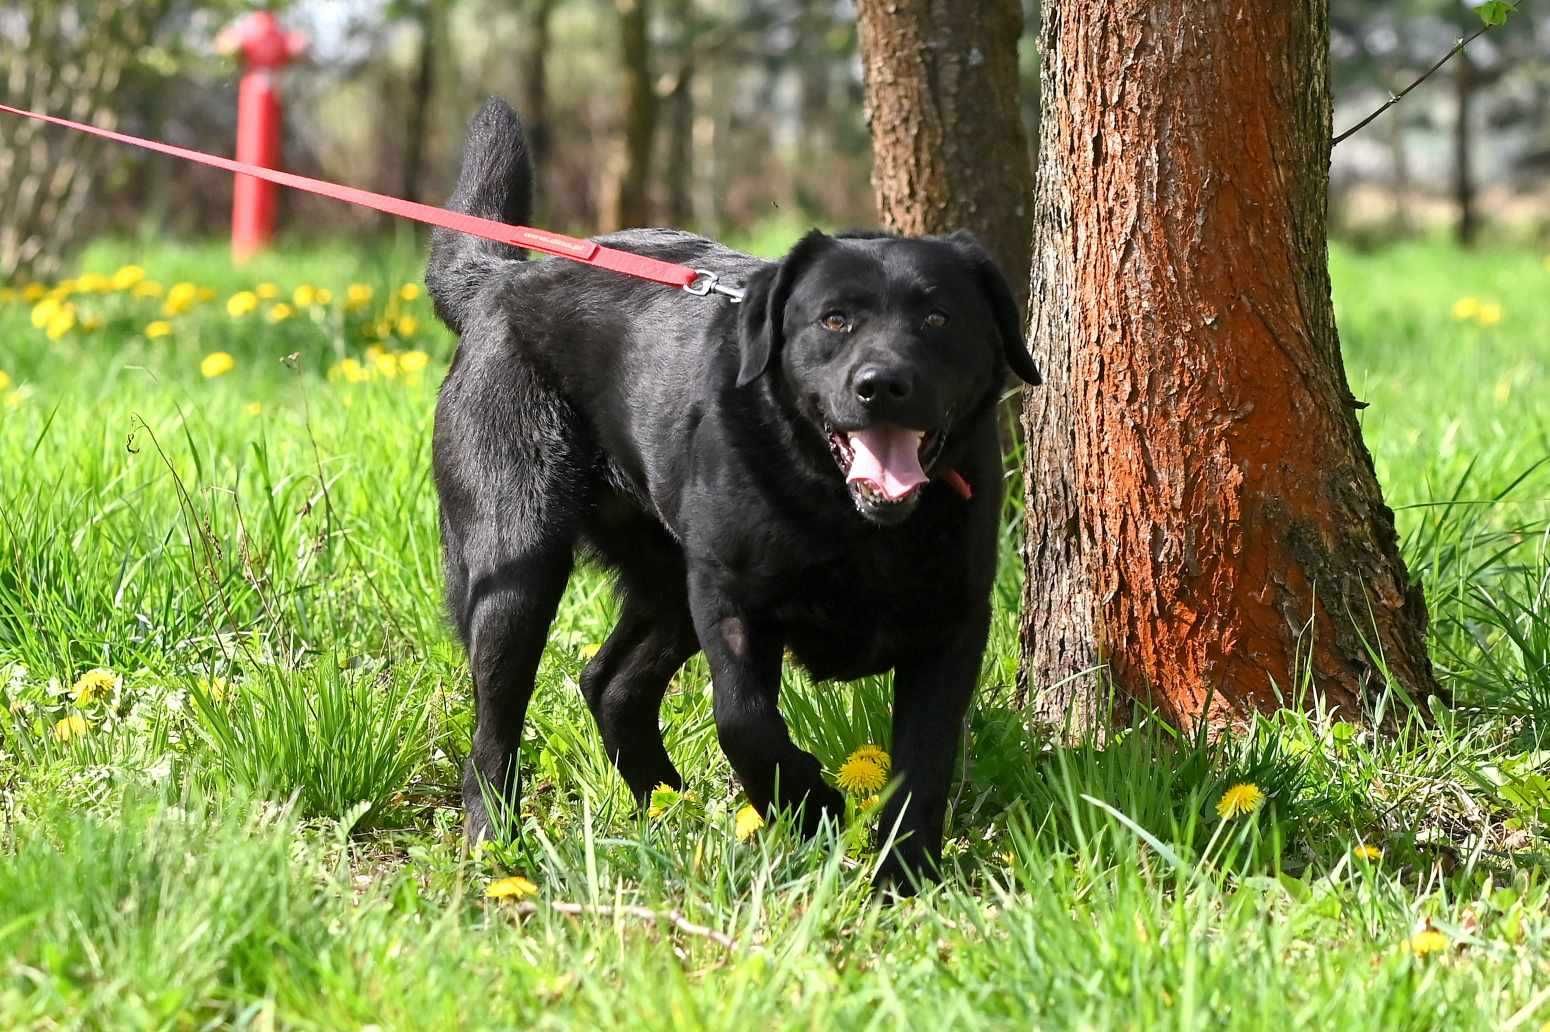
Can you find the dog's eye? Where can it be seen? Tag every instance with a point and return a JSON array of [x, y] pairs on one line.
[[936, 320], [835, 322]]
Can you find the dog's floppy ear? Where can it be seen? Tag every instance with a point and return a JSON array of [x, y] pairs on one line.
[[764, 308], [1002, 306]]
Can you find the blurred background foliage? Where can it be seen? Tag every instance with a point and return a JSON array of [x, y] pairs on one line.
[[708, 114]]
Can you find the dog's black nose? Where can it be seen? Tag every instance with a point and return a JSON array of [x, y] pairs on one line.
[[877, 384]]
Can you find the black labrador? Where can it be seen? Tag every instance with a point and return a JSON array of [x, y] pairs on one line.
[[816, 469]]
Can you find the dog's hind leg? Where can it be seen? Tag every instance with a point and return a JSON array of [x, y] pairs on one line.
[[624, 684], [513, 472]]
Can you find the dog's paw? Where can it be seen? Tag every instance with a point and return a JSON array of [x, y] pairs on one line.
[[905, 871], [476, 824], [809, 806], [822, 800]]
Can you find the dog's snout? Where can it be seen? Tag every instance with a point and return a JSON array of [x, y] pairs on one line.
[[876, 385]]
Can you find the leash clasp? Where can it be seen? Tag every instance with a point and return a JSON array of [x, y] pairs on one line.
[[706, 283]]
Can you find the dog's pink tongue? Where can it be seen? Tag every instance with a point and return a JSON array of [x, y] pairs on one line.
[[887, 458]]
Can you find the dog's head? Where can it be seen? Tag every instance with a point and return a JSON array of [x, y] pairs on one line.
[[885, 344]]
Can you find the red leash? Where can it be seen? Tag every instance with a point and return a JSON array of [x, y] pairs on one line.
[[696, 281]]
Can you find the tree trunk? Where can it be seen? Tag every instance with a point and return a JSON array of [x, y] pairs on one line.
[[678, 170], [534, 105], [420, 100], [1203, 520], [680, 147], [948, 146], [813, 59], [629, 203], [1399, 152], [1399, 156], [1468, 225]]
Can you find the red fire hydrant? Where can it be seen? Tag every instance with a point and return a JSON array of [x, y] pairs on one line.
[[264, 48]]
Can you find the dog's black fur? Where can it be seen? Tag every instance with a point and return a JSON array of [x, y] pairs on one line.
[[686, 443]]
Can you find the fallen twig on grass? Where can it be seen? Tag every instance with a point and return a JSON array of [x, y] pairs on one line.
[[673, 917]]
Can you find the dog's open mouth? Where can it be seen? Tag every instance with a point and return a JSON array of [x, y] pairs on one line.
[[885, 467]]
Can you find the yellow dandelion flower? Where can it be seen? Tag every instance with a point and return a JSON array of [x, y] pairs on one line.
[[1490, 314], [358, 296], [158, 329], [5, 380], [266, 291], [379, 329], [216, 363], [95, 684], [33, 292], [305, 296], [93, 283], [1466, 308], [748, 822], [204, 294], [44, 311], [241, 303], [253, 408], [1372, 854], [349, 370], [875, 753], [62, 323], [1239, 800], [1427, 942], [325, 296], [180, 298], [279, 313], [148, 288], [662, 797], [515, 887], [409, 292], [861, 776], [407, 326], [384, 362], [69, 728], [127, 277], [413, 362]]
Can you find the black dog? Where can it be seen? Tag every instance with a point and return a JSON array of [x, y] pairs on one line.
[[816, 469]]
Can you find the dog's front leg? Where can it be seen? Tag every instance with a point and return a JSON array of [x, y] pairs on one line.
[[932, 692], [745, 654]]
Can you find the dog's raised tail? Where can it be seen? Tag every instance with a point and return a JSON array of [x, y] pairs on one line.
[[496, 182]]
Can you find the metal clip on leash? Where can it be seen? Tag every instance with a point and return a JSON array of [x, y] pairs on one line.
[[706, 282]]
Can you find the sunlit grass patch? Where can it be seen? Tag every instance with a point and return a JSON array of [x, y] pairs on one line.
[[330, 739]]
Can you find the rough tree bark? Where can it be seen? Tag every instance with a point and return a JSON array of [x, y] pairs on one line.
[[942, 103], [629, 201], [1203, 519]]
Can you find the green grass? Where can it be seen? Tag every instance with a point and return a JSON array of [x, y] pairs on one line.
[[258, 825]]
